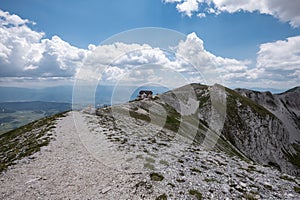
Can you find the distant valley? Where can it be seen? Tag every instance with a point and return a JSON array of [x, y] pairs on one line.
[[16, 114], [20, 106]]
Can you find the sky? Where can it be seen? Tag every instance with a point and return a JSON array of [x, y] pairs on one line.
[[249, 43]]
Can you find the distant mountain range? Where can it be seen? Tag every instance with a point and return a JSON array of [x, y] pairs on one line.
[[103, 94], [64, 93]]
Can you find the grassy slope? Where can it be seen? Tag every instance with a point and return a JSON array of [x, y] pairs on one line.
[[26, 140]]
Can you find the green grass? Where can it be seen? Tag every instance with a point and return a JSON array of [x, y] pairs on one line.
[[156, 177], [163, 162], [173, 118], [196, 193], [149, 166], [287, 178], [161, 197], [195, 170], [210, 180], [249, 197], [269, 187], [150, 160], [297, 189], [25, 141]]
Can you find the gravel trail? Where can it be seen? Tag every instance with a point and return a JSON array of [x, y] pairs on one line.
[[64, 170]]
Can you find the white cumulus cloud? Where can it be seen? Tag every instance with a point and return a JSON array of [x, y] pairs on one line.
[[280, 59], [188, 7], [193, 50], [26, 53], [286, 11]]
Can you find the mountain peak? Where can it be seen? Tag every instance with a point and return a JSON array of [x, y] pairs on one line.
[[294, 89]]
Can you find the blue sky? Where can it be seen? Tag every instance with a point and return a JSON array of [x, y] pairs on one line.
[[228, 30]]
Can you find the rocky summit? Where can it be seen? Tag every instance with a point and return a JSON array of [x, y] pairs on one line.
[[193, 142]]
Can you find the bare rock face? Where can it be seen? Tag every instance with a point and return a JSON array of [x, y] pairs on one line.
[[260, 125], [285, 106], [258, 132]]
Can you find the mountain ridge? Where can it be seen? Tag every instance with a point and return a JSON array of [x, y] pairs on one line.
[[251, 126], [195, 141]]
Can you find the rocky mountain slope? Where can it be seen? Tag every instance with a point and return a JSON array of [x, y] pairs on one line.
[[286, 108], [194, 142], [223, 119]]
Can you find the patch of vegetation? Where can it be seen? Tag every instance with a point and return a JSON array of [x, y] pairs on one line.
[[161, 197], [163, 162], [210, 180], [218, 172], [204, 167], [145, 150], [269, 187], [173, 118], [26, 140], [241, 190], [124, 140], [139, 116], [152, 154], [249, 197], [171, 184], [150, 160], [143, 184], [180, 180], [203, 100], [162, 144], [196, 193], [297, 189], [181, 173], [149, 166], [287, 178], [195, 170], [156, 177], [151, 140]]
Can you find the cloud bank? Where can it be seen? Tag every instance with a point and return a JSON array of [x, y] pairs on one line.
[[26, 55], [285, 11]]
